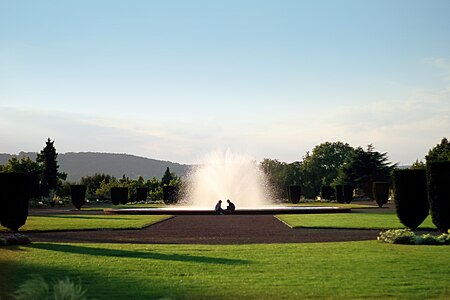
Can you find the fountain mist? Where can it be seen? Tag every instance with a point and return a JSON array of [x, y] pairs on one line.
[[227, 176]]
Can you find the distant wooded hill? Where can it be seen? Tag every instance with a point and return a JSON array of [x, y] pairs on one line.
[[80, 164]]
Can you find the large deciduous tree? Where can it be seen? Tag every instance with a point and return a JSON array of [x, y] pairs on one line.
[[362, 168], [321, 167]]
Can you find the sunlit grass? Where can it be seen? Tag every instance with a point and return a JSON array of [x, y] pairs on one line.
[[350, 270], [335, 204], [349, 220], [88, 222]]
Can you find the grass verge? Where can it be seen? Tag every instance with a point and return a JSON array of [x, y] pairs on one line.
[[88, 222], [350, 270], [349, 220]]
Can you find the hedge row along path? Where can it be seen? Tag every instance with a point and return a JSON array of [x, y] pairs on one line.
[[210, 229]]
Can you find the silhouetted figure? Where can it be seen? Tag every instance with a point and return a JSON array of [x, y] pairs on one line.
[[218, 207], [231, 206]]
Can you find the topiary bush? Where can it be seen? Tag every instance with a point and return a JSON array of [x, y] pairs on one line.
[[327, 192], [141, 194], [294, 193], [380, 192], [14, 199], [170, 194], [348, 193], [78, 194], [119, 195], [439, 193], [410, 194], [340, 193]]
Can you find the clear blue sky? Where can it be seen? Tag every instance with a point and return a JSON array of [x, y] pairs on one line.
[[174, 80]]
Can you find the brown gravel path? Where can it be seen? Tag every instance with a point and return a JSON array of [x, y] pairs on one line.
[[215, 229]]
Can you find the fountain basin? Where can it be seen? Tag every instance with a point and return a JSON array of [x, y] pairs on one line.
[[272, 210]]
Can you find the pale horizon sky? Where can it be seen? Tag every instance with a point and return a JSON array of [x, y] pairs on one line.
[[175, 80]]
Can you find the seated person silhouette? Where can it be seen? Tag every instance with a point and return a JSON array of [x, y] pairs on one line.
[[231, 206], [218, 208]]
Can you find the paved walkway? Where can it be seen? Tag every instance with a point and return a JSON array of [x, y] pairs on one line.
[[216, 229]]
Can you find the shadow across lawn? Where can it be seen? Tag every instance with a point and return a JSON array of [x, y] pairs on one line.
[[88, 217], [78, 249]]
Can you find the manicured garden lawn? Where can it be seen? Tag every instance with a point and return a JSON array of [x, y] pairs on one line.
[[350, 270], [346, 205], [102, 206], [350, 220], [83, 222]]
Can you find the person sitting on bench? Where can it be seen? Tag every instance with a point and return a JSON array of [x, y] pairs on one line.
[[231, 206], [218, 208]]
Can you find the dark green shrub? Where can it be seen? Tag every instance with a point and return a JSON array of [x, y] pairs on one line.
[[340, 193], [348, 193], [410, 193], [119, 195], [78, 194], [439, 193], [380, 192], [294, 193], [14, 199], [141, 194], [170, 194], [327, 192]]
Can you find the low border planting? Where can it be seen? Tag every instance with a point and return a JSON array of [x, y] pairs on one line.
[[407, 237]]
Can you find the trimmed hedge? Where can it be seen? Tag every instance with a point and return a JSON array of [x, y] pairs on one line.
[[119, 195], [380, 191], [170, 194], [78, 194], [327, 192], [14, 199], [439, 193], [141, 194], [344, 193], [410, 193], [294, 193]]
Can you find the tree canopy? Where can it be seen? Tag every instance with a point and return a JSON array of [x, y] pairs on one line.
[[50, 175], [362, 168], [439, 152], [322, 166]]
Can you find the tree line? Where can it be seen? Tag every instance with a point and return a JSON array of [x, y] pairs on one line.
[[328, 164]]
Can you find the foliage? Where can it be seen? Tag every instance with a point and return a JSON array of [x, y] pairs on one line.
[[439, 152], [167, 177], [280, 175], [14, 239], [38, 289], [406, 236], [94, 182], [381, 192], [398, 236], [321, 167], [362, 168], [78, 194], [14, 199], [26, 165], [327, 192], [418, 165], [410, 195], [295, 192], [50, 176], [439, 193]]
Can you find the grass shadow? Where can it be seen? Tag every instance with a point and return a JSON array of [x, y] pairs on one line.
[[89, 217], [78, 249]]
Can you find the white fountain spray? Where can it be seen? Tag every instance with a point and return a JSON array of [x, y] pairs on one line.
[[222, 176]]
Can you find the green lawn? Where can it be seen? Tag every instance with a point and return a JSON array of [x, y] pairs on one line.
[[350, 270], [350, 220], [335, 204], [85, 222], [102, 206]]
